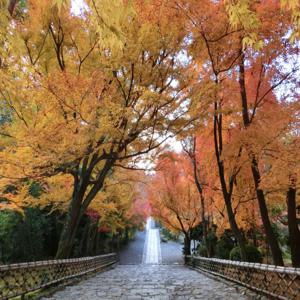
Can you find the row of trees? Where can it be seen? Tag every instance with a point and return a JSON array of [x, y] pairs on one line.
[[32, 232], [82, 97], [242, 160], [85, 96], [34, 235]]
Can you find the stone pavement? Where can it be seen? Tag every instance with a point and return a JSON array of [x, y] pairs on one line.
[[136, 252], [132, 253], [149, 269], [159, 282]]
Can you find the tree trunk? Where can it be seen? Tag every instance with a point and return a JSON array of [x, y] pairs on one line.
[[84, 237], [91, 238], [204, 231], [227, 192], [69, 230], [88, 240], [187, 245], [270, 234], [235, 229], [271, 237], [81, 199], [126, 234], [254, 239], [200, 191], [98, 242], [294, 233], [95, 239]]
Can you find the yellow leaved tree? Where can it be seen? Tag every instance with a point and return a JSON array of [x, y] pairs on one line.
[[86, 92]]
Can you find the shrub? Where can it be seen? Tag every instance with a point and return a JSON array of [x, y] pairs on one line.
[[252, 253], [201, 250], [224, 245], [168, 235], [197, 232]]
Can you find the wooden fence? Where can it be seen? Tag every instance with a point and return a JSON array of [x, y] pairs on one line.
[[272, 281], [19, 279]]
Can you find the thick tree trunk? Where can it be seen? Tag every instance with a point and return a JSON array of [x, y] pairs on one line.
[[187, 245], [83, 240], [88, 240], [81, 199], [91, 238], [294, 232], [95, 239], [254, 239], [69, 230]]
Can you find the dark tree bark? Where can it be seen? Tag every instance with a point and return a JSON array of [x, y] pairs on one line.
[[270, 234], [83, 238], [271, 237], [294, 232], [187, 245], [126, 235], [97, 243], [91, 238], [192, 154], [81, 199], [227, 191]]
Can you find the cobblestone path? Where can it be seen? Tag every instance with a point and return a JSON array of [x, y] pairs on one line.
[[149, 269], [159, 282]]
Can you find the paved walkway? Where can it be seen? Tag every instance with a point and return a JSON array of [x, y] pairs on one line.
[[159, 282], [132, 253], [154, 271], [152, 251]]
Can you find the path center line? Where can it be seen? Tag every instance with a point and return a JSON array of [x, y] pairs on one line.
[[152, 250]]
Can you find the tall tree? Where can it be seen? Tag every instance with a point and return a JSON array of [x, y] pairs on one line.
[[214, 52], [114, 85], [190, 148], [244, 38]]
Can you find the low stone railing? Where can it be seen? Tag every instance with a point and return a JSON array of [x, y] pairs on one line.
[[19, 279], [273, 281]]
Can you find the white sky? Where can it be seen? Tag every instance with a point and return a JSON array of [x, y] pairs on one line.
[[77, 6]]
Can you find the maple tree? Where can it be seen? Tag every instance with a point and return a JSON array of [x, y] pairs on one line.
[[173, 197], [263, 99], [109, 90], [241, 36], [83, 96], [198, 149]]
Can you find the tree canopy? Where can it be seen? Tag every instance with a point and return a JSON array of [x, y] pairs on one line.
[[87, 98]]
